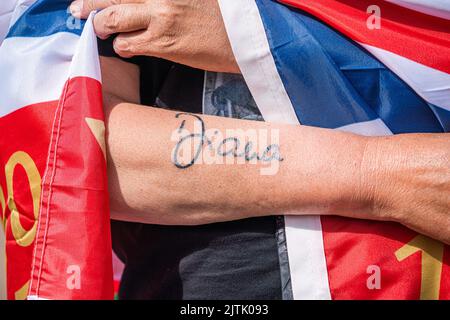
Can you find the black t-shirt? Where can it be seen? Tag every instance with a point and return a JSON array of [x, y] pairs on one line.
[[231, 260]]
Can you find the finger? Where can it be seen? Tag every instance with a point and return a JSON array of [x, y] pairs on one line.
[[82, 8], [132, 44], [121, 18]]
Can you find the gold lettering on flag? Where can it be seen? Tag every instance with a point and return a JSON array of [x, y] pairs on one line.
[[97, 128], [22, 293], [432, 257], [23, 237]]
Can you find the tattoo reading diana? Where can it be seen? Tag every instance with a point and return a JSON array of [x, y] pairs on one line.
[[190, 147]]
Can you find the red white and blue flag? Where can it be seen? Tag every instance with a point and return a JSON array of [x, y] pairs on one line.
[[312, 62], [370, 67], [55, 238]]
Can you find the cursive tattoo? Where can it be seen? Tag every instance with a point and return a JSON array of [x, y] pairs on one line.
[[228, 147]]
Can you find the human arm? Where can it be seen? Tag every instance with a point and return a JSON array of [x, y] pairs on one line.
[[404, 178], [189, 32]]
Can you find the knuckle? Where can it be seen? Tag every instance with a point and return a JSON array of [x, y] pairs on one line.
[[161, 43], [112, 19], [88, 5], [167, 43], [163, 36], [166, 13]]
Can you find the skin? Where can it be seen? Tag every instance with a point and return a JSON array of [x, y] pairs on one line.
[[404, 178], [189, 32]]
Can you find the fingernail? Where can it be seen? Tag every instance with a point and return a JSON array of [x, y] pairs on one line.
[[75, 8], [121, 44]]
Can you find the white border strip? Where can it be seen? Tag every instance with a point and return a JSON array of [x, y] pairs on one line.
[[10, 12], [309, 276], [85, 62], [34, 70], [437, 8], [368, 128], [46, 63], [431, 84], [6, 11], [251, 49]]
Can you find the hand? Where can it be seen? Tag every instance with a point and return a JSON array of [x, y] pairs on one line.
[[410, 182], [189, 32]]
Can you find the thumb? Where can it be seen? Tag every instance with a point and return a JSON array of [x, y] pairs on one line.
[[121, 18], [132, 44], [82, 8]]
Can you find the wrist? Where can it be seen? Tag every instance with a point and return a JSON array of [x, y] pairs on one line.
[[356, 183], [335, 179], [358, 196], [381, 161]]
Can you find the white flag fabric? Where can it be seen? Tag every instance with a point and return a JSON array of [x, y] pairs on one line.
[[52, 125], [438, 8], [6, 11], [10, 11]]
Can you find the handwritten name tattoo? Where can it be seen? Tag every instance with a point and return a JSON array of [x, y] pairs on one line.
[[228, 147]]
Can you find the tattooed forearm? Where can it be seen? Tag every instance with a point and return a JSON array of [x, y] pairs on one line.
[[188, 141], [190, 147]]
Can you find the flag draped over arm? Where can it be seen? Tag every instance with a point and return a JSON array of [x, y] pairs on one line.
[[312, 62], [53, 184], [369, 67]]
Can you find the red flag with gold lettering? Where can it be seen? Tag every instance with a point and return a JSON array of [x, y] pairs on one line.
[[55, 236]]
